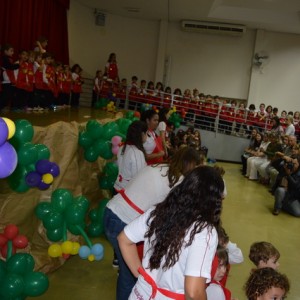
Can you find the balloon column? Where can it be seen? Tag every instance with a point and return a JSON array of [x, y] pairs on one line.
[[63, 213], [110, 171], [8, 155], [96, 227], [43, 177], [17, 278], [96, 139], [102, 102]]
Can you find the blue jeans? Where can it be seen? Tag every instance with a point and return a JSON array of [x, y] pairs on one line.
[[113, 226]]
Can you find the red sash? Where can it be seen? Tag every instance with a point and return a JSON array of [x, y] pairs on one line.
[[155, 288], [130, 203]]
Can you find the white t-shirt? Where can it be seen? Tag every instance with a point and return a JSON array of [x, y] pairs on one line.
[[290, 130], [150, 143], [129, 163], [215, 292], [194, 260], [149, 187], [162, 126], [235, 254]]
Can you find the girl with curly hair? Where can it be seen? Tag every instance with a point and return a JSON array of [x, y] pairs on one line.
[[180, 239], [265, 284]]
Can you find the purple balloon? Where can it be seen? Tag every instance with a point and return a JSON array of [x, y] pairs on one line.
[[54, 170], [43, 186], [33, 179], [3, 132], [43, 166], [8, 159]]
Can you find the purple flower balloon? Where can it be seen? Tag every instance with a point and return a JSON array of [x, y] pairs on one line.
[[43, 186], [8, 160], [43, 166], [3, 132], [33, 179], [54, 170]]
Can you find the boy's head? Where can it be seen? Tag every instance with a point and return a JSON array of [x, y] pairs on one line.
[[264, 254], [8, 50], [222, 237], [266, 283]]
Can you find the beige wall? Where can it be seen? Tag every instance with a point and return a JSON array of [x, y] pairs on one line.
[[215, 64]]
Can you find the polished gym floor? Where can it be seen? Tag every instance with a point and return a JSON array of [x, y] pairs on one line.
[[246, 217]]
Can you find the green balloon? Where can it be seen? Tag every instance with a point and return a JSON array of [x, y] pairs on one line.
[[20, 263], [24, 133], [12, 286], [124, 124], [110, 130], [111, 169], [82, 202], [53, 220], [17, 181], [42, 209], [85, 140], [107, 183], [36, 284], [76, 228], [43, 151], [93, 215], [61, 199], [103, 102], [122, 135], [27, 154], [2, 271], [106, 152], [55, 235], [95, 229], [95, 129], [75, 214], [129, 114], [91, 154]]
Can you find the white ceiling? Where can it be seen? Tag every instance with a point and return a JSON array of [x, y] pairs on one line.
[[271, 15]]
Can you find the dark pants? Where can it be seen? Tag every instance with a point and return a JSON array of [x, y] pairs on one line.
[[113, 227], [8, 95]]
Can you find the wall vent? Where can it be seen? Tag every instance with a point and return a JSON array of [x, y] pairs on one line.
[[213, 27]]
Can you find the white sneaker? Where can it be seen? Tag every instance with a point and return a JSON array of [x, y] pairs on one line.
[[35, 108], [40, 109], [28, 108]]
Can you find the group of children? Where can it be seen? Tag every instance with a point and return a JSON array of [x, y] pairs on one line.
[[264, 282], [203, 110], [35, 81]]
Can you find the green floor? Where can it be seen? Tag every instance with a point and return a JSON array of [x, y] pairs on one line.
[[246, 217]]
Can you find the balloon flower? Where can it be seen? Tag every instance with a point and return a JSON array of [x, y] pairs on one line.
[[96, 227], [65, 212], [109, 177], [116, 142], [44, 174], [175, 119], [10, 240], [111, 106], [96, 140], [8, 155]]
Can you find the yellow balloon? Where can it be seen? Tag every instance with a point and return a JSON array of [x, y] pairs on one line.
[[11, 127], [67, 247], [91, 257], [75, 248], [54, 250], [47, 178]]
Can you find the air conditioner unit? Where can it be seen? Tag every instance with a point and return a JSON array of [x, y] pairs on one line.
[[213, 27]]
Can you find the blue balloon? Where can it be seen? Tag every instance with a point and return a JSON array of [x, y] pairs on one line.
[[84, 252], [3, 132], [33, 179], [8, 160], [97, 250], [43, 166], [43, 186]]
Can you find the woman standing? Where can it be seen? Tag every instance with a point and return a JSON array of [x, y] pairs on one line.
[[153, 146], [111, 68], [131, 156], [180, 239], [148, 188]]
